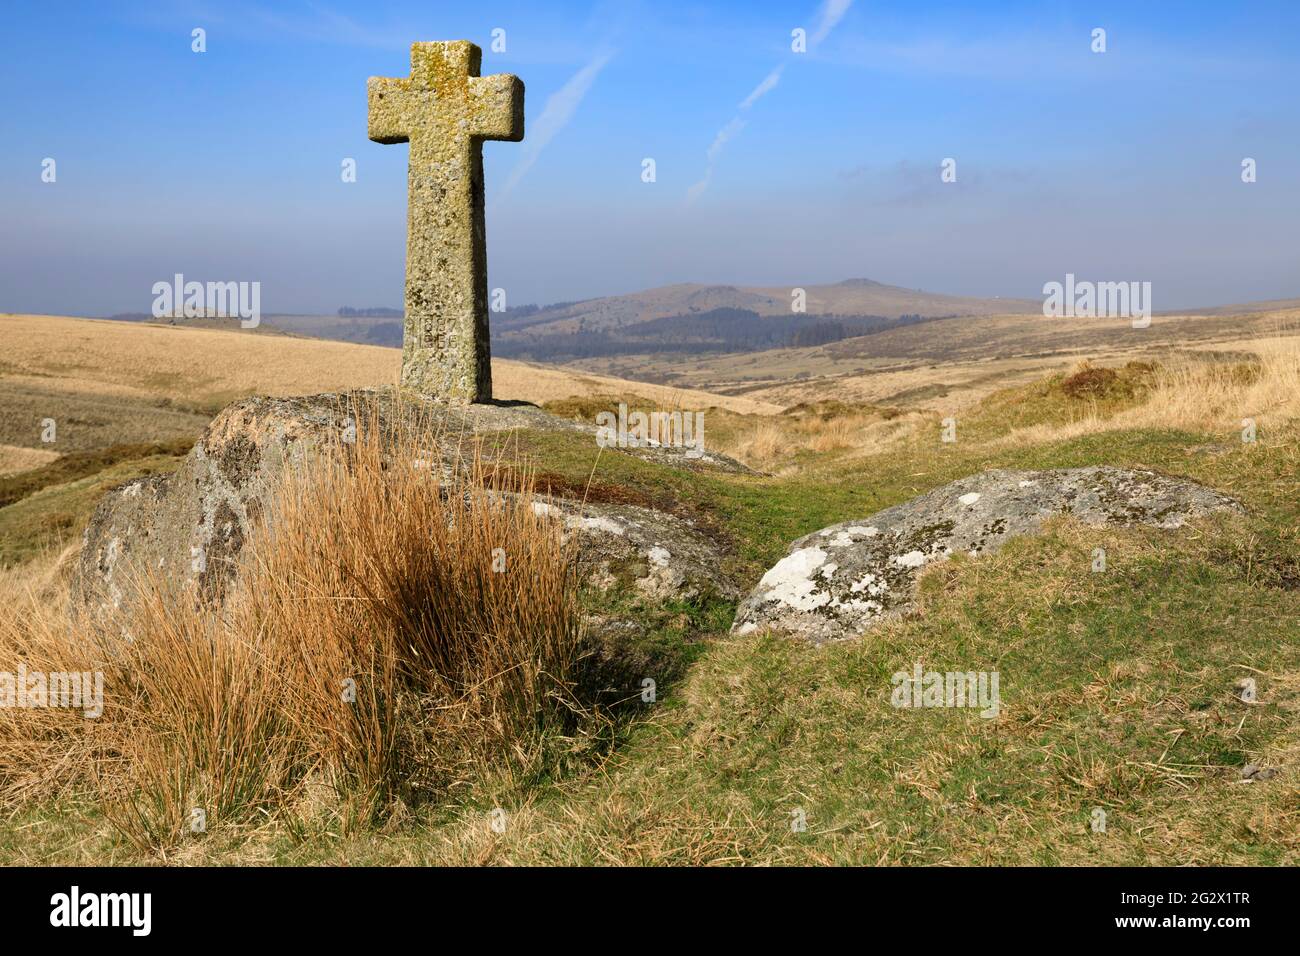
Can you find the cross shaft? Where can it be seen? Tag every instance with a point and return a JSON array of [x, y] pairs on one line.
[[445, 110]]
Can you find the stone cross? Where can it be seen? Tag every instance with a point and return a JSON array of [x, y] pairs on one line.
[[445, 110]]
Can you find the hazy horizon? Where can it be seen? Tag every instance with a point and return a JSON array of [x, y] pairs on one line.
[[396, 308], [772, 167]]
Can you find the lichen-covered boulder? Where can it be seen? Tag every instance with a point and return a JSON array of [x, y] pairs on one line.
[[655, 555], [191, 527], [837, 582]]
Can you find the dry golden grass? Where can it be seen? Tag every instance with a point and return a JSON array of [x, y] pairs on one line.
[[1216, 392], [774, 444], [959, 361], [14, 458], [393, 633], [146, 362], [1213, 391], [1204, 395], [762, 447], [1197, 394]]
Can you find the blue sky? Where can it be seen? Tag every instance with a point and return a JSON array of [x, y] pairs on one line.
[[225, 165]]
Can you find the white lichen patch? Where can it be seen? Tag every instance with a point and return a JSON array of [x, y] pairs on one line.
[[870, 583], [659, 556], [970, 498], [790, 580], [597, 523], [913, 559], [861, 607], [828, 570], [848, 536]]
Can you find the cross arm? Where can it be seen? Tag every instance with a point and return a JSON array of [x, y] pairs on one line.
[[497, 105], [387, 97]]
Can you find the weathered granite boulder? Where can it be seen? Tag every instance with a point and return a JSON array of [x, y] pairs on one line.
[[658, 555], [193, 525], [837, 582]]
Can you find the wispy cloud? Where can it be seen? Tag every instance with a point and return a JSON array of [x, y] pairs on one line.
[[828, 14], [768, 84], [556, 114], [715, 148], [831, 13], [693, 193], [724, 134]]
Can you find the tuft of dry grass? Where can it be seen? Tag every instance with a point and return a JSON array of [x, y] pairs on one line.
[[1218, 395], [1196, 393], [1089, 381], [776, 442], [44, 752], [397, 630]]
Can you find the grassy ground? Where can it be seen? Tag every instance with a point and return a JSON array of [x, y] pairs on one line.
[[956, 362], [46, 509], [1118, 688]]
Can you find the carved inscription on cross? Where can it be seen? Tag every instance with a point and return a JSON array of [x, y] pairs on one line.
[[446, 110]]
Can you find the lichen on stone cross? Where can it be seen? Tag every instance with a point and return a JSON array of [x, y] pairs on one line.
[[445, 110]]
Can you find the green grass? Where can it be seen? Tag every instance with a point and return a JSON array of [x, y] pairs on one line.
[[82, 464], [52, 504], [1117, 688]]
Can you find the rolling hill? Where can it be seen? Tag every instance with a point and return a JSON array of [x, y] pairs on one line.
[[113, 382], [723, 318], [688, 317]]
